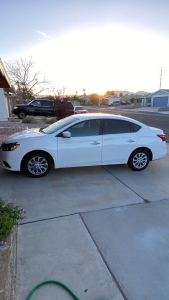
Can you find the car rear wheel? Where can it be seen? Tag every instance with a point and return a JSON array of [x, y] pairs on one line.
[[22, 114], [139, 160], [36, 164]]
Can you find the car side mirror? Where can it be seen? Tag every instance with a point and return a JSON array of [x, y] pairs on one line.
[[66, 134]]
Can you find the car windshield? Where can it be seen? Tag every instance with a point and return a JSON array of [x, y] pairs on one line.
[[78, 107], [58, 125]]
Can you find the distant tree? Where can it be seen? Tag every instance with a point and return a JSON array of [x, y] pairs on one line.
[[112, 93], [121, 94], [104, 101], [94, 98], [27, 83]]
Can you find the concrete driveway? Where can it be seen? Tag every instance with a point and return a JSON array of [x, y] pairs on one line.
[[103, 231]]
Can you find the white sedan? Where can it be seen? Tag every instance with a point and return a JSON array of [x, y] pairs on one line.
[[83, 140]]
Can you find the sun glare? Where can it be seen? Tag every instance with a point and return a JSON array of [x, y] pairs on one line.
[[101, 59]]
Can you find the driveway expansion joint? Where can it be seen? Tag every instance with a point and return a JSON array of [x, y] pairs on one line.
[[99, 251], [122, 183]]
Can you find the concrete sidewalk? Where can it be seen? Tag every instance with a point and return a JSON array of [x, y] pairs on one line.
[[92, 229]]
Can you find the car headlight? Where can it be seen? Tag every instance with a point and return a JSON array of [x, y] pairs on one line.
[[9, 147], [15, 107]]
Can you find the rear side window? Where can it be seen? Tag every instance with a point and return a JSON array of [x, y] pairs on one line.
[[47, 103], [116, 126], [135, 127]]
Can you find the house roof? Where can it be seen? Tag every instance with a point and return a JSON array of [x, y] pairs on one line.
[[4, 80], [163, 90]]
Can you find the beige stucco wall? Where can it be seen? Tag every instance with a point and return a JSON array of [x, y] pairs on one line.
[[3, 107]]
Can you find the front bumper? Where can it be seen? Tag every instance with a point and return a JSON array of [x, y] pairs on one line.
[[9, 160], [14, 111]]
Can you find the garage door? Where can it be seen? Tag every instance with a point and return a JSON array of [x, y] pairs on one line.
[[160, 101]]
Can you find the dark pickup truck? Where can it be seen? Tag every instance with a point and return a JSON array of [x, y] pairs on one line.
[[43, 107]]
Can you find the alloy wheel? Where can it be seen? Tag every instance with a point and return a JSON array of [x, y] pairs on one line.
[[37, 165], [140, 160]]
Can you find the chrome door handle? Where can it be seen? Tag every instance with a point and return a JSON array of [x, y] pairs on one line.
[[95, 143], [130, 141]]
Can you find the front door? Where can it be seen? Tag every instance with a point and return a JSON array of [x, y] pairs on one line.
[[83, 148], [34, 108]]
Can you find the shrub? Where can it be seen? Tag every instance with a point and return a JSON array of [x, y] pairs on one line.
[[44, 119], [29, 119], [9, 217], [50, 120]]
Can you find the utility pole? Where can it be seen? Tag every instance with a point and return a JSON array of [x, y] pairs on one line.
[[161, 74]]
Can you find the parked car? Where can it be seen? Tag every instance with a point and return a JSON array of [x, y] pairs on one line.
[[80, 110], [83, 140], [123, 102], [43, 107], [115, 103]]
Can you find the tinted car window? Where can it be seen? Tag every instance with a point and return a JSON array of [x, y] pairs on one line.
[[36, 103], [116, 127], [46, 103], [86, 128], [135, 127], [79, 108]]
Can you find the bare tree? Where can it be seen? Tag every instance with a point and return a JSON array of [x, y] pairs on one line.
[[26, 82]]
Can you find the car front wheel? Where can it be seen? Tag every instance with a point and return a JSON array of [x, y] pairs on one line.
[[139, 160], [22, 114], [36, 164]]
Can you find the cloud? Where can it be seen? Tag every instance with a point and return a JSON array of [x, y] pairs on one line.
[[43, 34]]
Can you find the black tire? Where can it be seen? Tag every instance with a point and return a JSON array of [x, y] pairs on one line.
[[22, 114], [36, 164], [139, 160]]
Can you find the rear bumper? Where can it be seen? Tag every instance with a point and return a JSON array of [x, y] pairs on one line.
[[160, 151]]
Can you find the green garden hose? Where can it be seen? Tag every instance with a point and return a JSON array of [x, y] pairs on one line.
[[55, 282]]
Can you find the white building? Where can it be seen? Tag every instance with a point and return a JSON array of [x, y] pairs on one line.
[[157, 99], [4, 83]]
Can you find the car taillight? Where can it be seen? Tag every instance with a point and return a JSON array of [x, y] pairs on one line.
[[162, 136]]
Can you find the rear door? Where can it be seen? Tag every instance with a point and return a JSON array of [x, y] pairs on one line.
[[119, 140], [47, 108]]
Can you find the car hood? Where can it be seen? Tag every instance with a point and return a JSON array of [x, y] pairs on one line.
[[22, 104], [25, 134]]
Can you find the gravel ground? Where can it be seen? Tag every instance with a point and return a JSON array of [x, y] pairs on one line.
[[7, 128]]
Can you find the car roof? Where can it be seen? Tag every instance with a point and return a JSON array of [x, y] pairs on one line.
[[87, 116]]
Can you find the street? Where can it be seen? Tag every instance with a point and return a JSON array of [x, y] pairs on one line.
[[157, 120]]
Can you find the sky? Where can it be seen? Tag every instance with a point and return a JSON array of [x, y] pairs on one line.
[[94, 45]]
